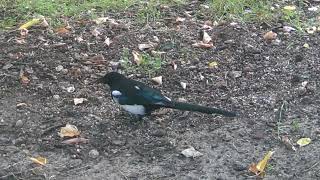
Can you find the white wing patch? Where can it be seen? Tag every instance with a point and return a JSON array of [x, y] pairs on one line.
[[167, 98], [137, 87], [116, 93]]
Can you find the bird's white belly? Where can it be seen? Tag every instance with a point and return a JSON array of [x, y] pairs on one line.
[[134, 109]]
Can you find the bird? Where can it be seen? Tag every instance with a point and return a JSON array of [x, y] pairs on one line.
[[141, 100]]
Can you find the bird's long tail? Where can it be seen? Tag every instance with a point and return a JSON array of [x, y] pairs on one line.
[[198, 108]]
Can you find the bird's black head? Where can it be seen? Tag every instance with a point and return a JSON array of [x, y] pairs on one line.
[[111, 78]]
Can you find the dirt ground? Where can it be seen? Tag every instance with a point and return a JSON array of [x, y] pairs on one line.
[[274, 87]]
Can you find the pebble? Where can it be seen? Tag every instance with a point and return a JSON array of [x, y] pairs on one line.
[[236, 74], [19, 124], [59, 68], [191, 152], [94, 153], [118, 142], [56, 97], [239, 166]]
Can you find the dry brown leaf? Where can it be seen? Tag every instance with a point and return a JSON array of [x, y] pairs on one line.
[[62, 31], [39, 160], [287, 142], [20, 41], [44, 23], [97, 60], [202, 45], [206, 38], [95, 32], [270, 36], [76, 141], [24, 32], [24, 79], [69, 131], [136, 57]]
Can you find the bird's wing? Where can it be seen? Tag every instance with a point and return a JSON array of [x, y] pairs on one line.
[[138, 93]]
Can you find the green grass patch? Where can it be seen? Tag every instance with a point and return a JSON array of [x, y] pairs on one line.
[[246, 10], [17, 11], [150, 64]]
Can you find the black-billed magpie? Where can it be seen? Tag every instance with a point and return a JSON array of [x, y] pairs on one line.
[[140, 99]]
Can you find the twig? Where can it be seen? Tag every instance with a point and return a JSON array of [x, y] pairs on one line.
[[280, 119], [308, 169]]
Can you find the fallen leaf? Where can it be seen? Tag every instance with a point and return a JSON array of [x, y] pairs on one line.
[[30, 23], [311, 30], [290, 8], [259, 169], [39, 160], [79, 39], [157, 80], [77, 101], [75, 140], [269, 36], [213, 64], [157, 52], [191, 152], [98, 59], [136, 57], [206, 38], [69, 131], [21, 104], [202, 45], [44, 23], [24, 32], [95, 32], [107, 41], [143, 47], [180, 19], [101, 20], [62, 31], [303, 142], [24, 79], [288, 29], [306, 45]]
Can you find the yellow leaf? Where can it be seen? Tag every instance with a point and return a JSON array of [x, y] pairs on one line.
[[69, 131], [213, 64], [30, 23], [39, 160], [303, 141], [290, 8], [258, 169], [306, 46], [263, 163]]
